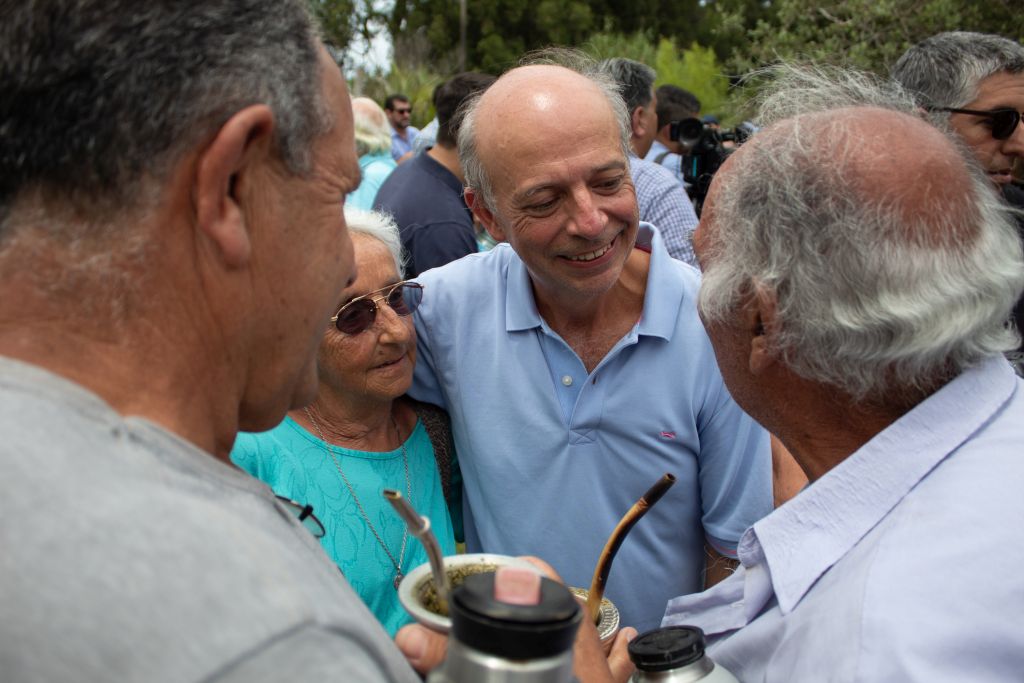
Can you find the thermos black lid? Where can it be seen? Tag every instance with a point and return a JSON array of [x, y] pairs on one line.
[[667, 648], [519, 632]]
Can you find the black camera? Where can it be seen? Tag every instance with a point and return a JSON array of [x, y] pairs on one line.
[[706, 151]]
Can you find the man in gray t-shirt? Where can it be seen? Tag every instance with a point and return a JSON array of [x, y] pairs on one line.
[[172, 246], [132, 555]]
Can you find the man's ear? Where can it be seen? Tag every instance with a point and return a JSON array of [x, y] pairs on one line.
[[483, 214], [761, 315], [636, 122], [244, 140]]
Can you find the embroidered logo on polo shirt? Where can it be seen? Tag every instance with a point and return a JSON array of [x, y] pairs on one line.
[[668, 435]]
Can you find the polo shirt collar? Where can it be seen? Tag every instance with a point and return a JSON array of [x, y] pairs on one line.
[[808, 535], [520, 308], [663, 298]]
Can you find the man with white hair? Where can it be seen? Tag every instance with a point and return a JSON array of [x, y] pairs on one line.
[[572, 361], [860, 318], [974, 84]]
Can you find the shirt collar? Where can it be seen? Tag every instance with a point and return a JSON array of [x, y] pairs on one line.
[[806, 536], [657, 147], [663, 299]]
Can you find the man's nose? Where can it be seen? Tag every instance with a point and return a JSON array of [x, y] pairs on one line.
[[1014, 145], [588, 219]]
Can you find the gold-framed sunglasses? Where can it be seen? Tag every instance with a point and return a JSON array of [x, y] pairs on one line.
[[358, 315]]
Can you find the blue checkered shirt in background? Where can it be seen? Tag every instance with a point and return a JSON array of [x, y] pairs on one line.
[[664, 203]]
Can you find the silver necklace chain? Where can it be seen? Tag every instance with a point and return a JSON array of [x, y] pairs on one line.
[[408, 492]]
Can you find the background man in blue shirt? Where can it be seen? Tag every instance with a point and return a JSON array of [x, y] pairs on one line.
[[861, 318], [403, 133], [572, 360], [424, 195]]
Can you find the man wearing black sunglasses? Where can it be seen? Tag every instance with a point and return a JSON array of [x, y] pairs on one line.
[[974, 83], [403, 133]]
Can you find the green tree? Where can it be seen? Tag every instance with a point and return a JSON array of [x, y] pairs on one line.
[[640, 46], [695, 68], [338, 20], [412, 75], [724, 24], [500, 31], [868, 34]]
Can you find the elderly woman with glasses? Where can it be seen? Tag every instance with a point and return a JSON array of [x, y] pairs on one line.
[[362, 435]]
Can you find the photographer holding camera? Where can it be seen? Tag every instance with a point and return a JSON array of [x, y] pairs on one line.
[[706, 147], [673, 105]]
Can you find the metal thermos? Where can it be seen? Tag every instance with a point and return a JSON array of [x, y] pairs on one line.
[[495, 642], [674, 654]]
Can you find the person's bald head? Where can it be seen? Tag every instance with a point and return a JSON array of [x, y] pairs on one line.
[[891, 263], [528, 106], [872, 150]]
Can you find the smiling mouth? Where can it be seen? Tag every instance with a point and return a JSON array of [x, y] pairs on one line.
[[389, 363], [592, 255]]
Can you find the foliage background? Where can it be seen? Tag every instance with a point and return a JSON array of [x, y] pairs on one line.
[[704, 46]]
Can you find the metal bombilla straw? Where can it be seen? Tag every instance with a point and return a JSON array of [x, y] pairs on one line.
[[419, 526]]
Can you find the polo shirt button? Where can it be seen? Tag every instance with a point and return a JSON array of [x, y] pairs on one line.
[[567, 380]]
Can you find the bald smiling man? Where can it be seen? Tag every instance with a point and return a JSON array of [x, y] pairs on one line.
[[572, 360]]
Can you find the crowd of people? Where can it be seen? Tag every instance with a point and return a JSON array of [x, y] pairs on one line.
[[209, 368]]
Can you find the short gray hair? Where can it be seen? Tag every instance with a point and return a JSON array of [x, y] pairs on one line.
[[946, 69], [102, 97], [372, 131], [865, 303], [636, 80], [475, 174], [379, 226]]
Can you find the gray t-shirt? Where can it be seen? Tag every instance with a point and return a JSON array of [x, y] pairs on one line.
[[128, 554]]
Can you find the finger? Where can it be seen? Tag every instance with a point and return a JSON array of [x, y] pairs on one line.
[[618, 660], [545, 568], [423, 648], [589, 662]]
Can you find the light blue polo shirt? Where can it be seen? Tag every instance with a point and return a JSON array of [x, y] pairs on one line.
[[902, 563], [552, 456]]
